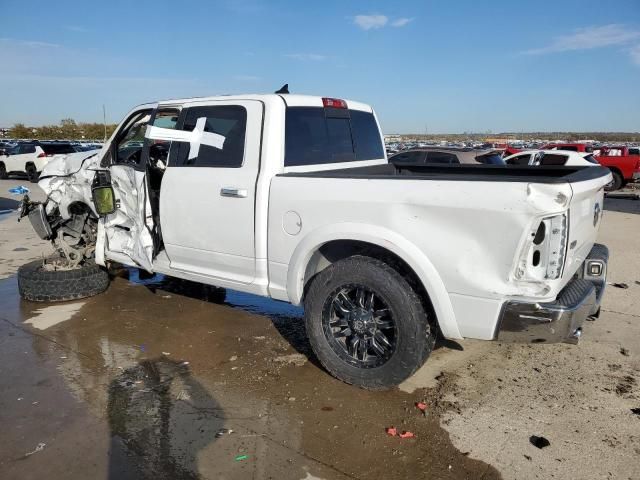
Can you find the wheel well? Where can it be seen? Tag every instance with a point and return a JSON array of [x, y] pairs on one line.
[[336, 250], [29, 164], [79, 208], [617, 170]]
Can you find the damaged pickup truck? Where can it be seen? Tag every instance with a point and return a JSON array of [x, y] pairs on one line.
[[292, 197]]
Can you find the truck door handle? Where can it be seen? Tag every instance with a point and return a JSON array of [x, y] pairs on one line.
[[233, 192]]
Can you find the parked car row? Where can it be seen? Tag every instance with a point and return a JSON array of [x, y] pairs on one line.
[[29, 158], [622, 161]]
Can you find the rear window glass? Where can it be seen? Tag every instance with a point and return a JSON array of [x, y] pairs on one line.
[[519, 160], [491, 159], [57, 148], [313, 138], [441, 157], [366, 136], [567, 148], [553, 159], [414, 157], [591, 159]]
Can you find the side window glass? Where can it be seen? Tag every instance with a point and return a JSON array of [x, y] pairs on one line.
[[159, 149], [220, 137], [130, 139]]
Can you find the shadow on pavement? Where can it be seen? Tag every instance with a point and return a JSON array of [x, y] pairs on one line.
[[160, 417], [8, 203], [624, 205]]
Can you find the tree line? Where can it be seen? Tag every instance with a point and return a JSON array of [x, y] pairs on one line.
[[67, 129]]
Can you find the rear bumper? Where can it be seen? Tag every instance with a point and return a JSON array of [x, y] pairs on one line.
[[561, 320], [636, 176]]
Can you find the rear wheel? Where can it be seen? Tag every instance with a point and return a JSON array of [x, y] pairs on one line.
[[616, 183], [3, 171], [366, 324], [49, 281], [32, 174]]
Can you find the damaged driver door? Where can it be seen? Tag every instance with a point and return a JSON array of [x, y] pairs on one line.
[[127, 234]]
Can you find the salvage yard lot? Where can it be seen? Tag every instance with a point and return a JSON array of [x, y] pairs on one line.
[[153, 379]]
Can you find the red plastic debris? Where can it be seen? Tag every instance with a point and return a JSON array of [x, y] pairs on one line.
[[421, 406], [406, 435], [391, 431]]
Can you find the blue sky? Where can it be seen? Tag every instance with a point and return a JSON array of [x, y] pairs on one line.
[[445, 66]]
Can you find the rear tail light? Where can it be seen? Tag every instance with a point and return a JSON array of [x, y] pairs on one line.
[[334, 103], [543, 258]]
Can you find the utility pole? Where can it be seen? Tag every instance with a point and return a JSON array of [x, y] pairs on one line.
[[104, 121]]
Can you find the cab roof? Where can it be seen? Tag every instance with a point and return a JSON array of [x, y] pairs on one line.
[[289, 100]]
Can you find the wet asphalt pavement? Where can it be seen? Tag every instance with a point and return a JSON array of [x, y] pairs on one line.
[[161, 378]]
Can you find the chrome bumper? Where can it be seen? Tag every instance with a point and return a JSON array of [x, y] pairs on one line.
[[561, 320]]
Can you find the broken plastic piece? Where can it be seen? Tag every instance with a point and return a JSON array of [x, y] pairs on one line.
[[391, 431], [241, 457], [539, 442], [421, 406], [406, 434]]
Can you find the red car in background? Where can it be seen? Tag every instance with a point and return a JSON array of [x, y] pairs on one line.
[[624, 162]]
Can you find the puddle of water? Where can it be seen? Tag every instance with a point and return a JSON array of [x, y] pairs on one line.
[[49, 316]]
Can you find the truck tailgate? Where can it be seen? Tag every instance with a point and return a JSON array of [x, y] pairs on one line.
[[585, 213]]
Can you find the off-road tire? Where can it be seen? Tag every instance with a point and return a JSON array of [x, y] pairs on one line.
[[39, 285], [3, 171], [415, 334], [617, 182], [32, 174]]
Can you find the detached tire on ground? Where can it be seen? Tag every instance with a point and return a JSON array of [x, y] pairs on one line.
[[366, 324], [40, 285]]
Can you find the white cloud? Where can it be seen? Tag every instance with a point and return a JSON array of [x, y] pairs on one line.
[[5, 42], [634, 52], [589, 38], [76, 28], [401, 22], [367, 22], [306, 56], [247, 78]]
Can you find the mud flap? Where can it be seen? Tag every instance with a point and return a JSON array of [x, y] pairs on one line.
[[127, 234]]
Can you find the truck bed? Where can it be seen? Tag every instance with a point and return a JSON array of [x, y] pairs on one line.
[[480, 173]]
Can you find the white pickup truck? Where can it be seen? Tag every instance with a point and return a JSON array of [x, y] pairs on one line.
[[292, 197]]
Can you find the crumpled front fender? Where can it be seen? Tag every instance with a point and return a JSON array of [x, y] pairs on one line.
[[67, 180]]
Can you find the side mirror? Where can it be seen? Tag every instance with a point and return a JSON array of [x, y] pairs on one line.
[[104, 198]]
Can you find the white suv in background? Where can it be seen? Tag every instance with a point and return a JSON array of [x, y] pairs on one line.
[[30, 158], [552, 157]]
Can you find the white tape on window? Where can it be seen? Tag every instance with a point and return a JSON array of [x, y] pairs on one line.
[[195, 138]]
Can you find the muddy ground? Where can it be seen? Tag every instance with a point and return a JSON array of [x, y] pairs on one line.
[[158, 378]]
